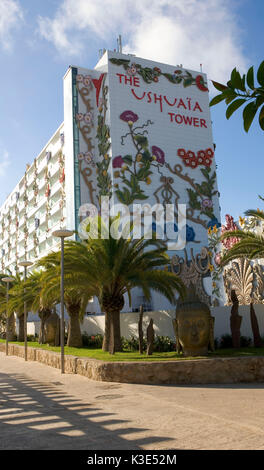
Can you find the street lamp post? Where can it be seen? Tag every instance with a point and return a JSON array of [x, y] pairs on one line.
[[7, 280], [62, 234], [25, 265]]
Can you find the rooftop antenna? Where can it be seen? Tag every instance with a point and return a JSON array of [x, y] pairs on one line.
[[119, 44]]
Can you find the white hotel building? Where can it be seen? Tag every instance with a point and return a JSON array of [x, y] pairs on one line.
[[135, 130]]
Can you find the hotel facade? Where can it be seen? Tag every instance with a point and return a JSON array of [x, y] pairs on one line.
[[137, 132]]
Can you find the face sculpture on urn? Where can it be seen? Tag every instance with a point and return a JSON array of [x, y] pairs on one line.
[[193, 326]]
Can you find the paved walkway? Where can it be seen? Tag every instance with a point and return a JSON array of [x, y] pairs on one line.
[[42, 409]]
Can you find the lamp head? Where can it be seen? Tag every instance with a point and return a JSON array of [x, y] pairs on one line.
[[63, 233]]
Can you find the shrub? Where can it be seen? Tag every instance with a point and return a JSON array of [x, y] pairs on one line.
[[92, 341], [245, 342], [132, 344], [225, 342], [164, 344]]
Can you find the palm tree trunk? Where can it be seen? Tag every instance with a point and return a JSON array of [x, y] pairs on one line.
[[20, 327], [12, 328], [106, 340], [115, 344], [74, 330], [43, 315], [255, 327]]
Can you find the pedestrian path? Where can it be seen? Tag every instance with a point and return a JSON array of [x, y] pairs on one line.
[[42, 409]]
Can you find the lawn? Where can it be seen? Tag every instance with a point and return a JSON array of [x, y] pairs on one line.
[[135, 356]]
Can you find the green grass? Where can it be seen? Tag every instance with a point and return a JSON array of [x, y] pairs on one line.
[[135, 356]]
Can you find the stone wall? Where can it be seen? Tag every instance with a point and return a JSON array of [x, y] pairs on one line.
[[199, 371]]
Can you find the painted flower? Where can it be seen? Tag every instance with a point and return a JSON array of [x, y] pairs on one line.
[[87, 80], [79, 117], [132, 70], [155, 79], [187, 161], [129, 116], [207, 203], [80, 156], [159, 154], [241, 221], [215, 229], [209, 153], [193, 162], [88, 117], [201, 153], [79, 78], [190, 154], [181, 153], [217, 259], [118, 162], [157, 69], [190, 234], [88, 157], [212, 223], [211, 268], [207, 161], [148, 180]]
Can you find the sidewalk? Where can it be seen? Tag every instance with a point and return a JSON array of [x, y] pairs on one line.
[[42, 409]]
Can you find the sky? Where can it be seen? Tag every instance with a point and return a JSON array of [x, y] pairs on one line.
[[40, 39]]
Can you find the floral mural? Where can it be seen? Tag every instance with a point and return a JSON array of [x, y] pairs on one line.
[[150, 75], [133, 171]]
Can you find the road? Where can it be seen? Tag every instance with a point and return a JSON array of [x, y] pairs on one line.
[[42, 409]]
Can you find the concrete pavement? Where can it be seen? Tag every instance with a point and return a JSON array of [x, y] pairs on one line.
[[42, 409]]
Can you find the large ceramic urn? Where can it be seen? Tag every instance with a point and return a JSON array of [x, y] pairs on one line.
[[193, 325]]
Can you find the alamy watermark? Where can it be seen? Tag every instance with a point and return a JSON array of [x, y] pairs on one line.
[[141, 220]]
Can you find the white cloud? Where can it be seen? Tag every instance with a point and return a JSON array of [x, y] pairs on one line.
[[171, 31], [10, 17], [4, 162]]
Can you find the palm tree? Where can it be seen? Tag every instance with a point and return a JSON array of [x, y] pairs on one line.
[[111, 267], [36, 301], [75, 299], [3, 306], [250, 245]]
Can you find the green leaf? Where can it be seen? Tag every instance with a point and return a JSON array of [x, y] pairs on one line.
[[250, 78], [217, 99], [236, 80], [141, 140], [128, 159], [188, 82], [249, 114], [169, 77], [140, 196], [260, 74], [261, 118], [230, 96], [134, 183], [234, 106], [219, 86], [119, 61]]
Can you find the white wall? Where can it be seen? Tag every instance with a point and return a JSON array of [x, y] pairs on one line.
[[94, 324]]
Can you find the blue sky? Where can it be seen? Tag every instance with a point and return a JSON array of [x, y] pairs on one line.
[[39, 40]]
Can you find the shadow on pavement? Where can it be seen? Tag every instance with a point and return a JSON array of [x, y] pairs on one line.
[[34, 415]]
